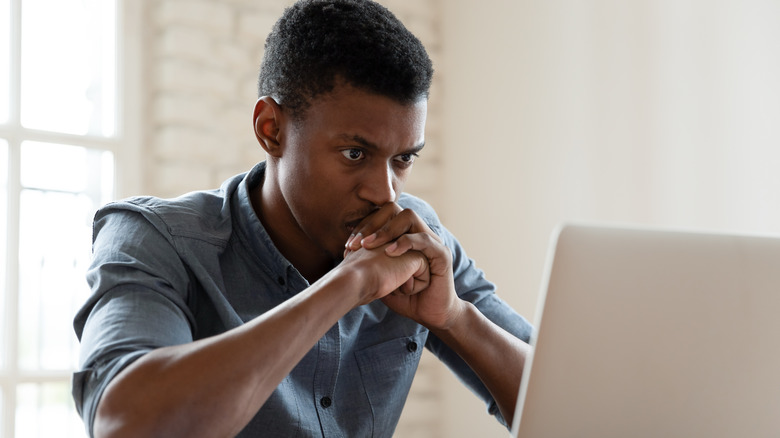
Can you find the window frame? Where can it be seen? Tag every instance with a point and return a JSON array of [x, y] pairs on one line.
[[125, 146]]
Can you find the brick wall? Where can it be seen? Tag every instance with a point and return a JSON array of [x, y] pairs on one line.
[[201, 59]]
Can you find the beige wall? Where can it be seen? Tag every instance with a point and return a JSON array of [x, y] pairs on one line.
[[659, 112], [655, 112], [482, 167]]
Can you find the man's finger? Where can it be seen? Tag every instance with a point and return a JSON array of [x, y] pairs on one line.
[[439, 256], [405, 222], [370, 224]]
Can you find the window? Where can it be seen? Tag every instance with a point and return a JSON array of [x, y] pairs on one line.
[[62, 127]]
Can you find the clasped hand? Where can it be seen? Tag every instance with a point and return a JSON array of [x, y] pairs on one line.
[[428, 296]]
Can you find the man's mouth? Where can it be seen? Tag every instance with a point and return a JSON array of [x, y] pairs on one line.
[[351, 225]]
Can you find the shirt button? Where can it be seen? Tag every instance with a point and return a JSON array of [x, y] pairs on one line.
[[281, 281], [325, 402], [411, 346]]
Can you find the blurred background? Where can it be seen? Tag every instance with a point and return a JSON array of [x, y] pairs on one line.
[[654, 112]]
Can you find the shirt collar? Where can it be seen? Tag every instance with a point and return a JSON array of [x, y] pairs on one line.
[[254, 234]]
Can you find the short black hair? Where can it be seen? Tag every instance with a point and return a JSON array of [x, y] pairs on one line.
[[318, 42]]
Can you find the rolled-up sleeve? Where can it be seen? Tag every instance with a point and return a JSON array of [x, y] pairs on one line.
[[138, 303]]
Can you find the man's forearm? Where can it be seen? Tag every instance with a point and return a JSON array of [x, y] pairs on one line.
[[214, 386], [495, 355]]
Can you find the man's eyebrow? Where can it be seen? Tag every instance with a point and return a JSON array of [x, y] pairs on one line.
[[416, 149], [371, 145]]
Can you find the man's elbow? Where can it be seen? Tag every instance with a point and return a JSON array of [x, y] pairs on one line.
[[112, 421]]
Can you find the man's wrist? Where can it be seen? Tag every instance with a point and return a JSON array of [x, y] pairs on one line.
[[457, 319], [353, 278]]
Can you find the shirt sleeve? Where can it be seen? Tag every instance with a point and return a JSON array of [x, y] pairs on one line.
[[138, 302]]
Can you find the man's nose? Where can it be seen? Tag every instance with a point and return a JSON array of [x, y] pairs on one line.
[[378, 186]]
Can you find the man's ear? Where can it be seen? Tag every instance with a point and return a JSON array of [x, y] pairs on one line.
[[268, 121]]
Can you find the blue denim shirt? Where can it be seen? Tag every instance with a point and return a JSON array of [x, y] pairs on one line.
[[167, 272]]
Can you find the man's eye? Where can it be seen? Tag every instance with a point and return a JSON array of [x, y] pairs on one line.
[[406, 158], [352, 154]]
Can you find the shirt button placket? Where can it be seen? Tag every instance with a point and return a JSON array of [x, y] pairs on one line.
[[325, 377]]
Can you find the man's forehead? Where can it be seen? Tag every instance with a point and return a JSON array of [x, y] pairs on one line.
[[342, 89], [357, 103]]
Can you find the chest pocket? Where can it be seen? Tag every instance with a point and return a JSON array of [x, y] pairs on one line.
[[387, 371]]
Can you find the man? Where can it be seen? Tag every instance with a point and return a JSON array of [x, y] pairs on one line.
[[293, 300]]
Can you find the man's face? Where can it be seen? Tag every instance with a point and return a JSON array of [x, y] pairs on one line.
[[351, 153]]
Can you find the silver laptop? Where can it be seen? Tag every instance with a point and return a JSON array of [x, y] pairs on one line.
[[652, 333]]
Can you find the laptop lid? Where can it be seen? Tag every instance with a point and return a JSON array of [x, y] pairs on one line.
[[651, 333]]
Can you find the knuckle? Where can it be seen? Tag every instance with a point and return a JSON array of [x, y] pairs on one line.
[[408, 213], [390, 209], [430, 239]]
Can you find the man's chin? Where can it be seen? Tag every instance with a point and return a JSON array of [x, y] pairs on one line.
[[337, 255], [335, 249]]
